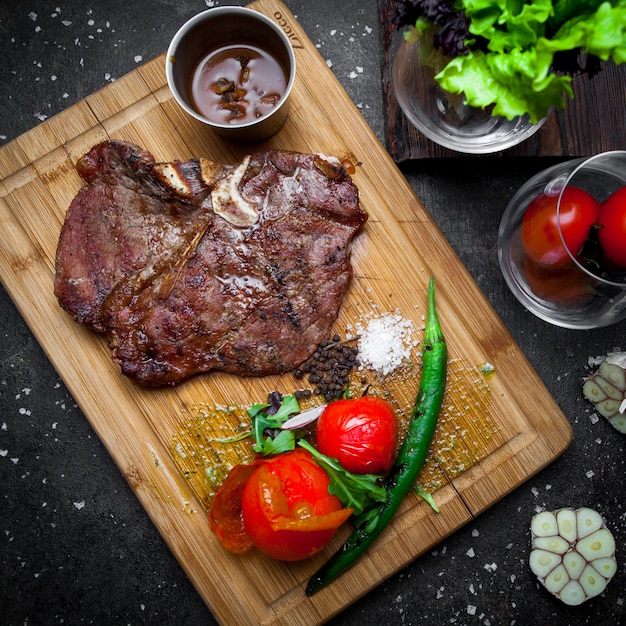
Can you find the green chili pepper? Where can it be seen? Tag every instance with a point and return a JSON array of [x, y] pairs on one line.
[[410, 457]]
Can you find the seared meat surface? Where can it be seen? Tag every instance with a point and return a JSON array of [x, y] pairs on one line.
[[193, 266]]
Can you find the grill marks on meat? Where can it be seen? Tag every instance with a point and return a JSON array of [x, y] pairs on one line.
[[179, 289]]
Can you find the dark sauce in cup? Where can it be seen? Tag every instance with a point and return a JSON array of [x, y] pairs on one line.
[[237, 84]]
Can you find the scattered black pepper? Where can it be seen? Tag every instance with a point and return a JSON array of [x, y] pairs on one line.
[[329, 367], [302, 394]]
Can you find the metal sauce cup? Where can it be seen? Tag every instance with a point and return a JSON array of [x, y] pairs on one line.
[[225, 26]]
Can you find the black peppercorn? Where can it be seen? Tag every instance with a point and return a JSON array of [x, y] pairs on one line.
[[329, 367]]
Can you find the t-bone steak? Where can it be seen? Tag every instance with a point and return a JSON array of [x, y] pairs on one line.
[[192, 266]]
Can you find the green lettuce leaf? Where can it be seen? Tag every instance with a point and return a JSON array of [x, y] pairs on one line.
[[602, 34], [513, 71], [514, 83], [360, 492], [565, 10], [285, 441], [508, 25]]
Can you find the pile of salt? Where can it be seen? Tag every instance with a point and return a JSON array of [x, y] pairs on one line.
[[385, 342]]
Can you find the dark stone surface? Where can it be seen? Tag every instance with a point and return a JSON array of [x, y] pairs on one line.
[[75, 545]]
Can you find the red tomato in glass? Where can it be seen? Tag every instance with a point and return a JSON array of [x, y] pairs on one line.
[[564, 284], [360, 433], [612, 232], [540, 235], [281, 505]]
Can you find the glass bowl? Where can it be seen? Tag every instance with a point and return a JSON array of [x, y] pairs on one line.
[[443, 117], [567, 294]]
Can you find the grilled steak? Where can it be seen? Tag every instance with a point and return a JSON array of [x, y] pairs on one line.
[[193, 266]]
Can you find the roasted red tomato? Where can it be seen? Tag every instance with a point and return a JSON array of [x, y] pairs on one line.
[[280, 505], [612, 232], [360, 433], [540, 235], [225, 518]]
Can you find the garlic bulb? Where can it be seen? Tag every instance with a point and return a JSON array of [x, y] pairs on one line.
[[607, 390], [573, 553]]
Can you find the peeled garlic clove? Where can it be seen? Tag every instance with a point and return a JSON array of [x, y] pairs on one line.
[[577, 561], [303, 418]]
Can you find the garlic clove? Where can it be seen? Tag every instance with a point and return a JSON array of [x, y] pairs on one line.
[[544, 524], [619, 422], [543, 562], [592, 582], [566, 520], [614, 373], [573, 593], [593, 392], [557, 579], [598, 545], [608, 408], [607, 566], [555, 544], [574, 564], [304, 418], [588, 521]]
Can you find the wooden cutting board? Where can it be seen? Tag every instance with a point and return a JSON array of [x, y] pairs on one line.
[[494, 433]]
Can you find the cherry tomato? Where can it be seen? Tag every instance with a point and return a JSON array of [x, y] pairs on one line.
[[280, 505], [360, 433], [564, 284], [540, 235], [612, 232]]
